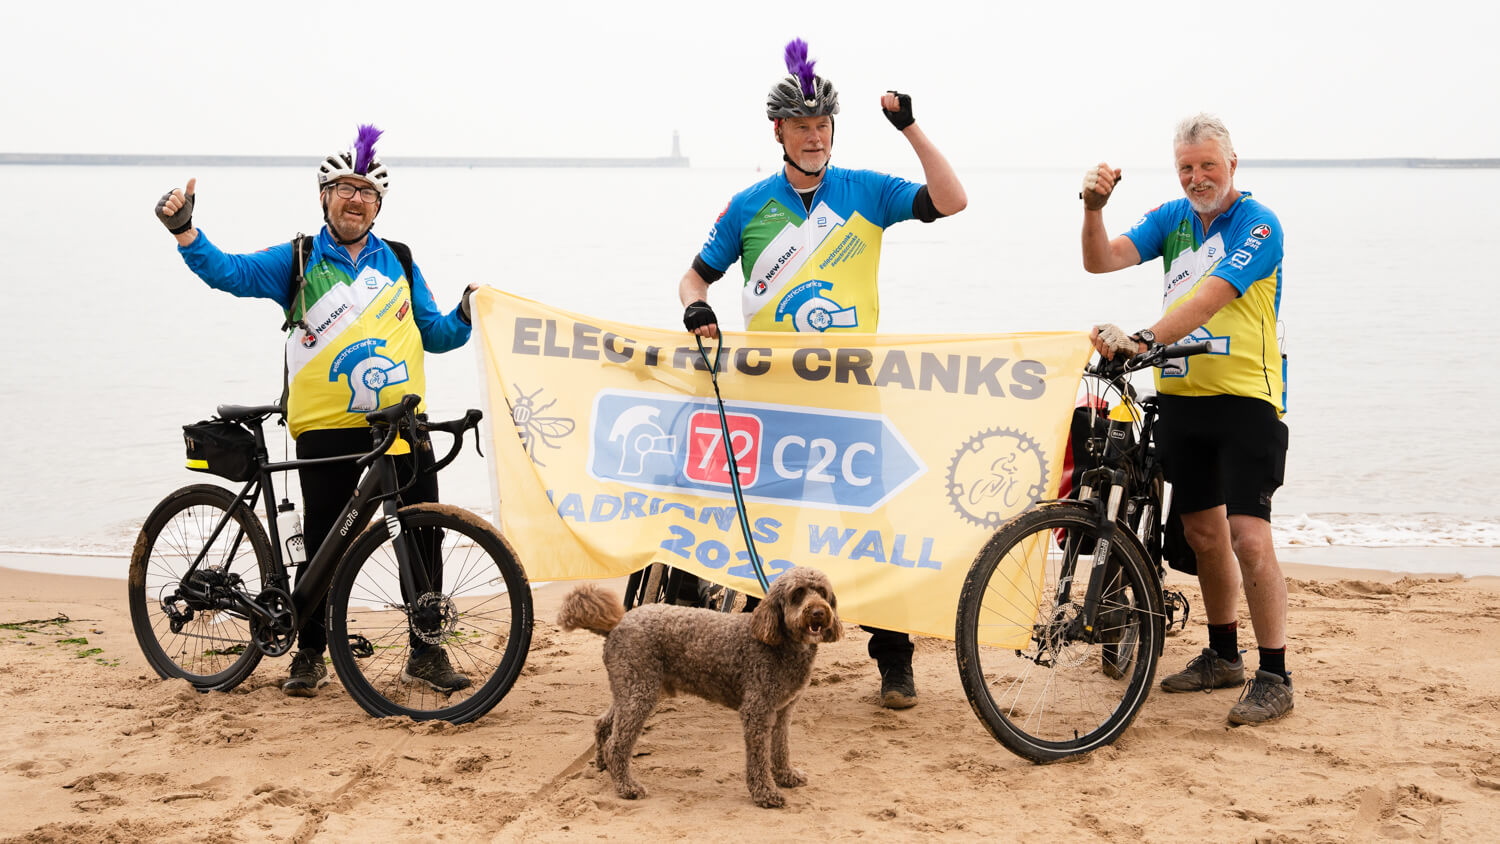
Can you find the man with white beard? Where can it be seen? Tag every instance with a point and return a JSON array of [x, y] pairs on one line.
[[1220, 433]]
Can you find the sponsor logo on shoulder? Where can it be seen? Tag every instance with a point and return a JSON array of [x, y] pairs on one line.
[[1145, 215], [1261, 231], [309, 340], [760, 288]]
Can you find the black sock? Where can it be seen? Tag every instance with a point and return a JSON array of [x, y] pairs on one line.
[[1274, 661], [1224, 639]]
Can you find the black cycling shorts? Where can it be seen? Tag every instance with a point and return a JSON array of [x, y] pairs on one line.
[[1228, 450]]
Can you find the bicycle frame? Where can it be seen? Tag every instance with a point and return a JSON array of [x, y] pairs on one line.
[[377, 486], [1126, 475]]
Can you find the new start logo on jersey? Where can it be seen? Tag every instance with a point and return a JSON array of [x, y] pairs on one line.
[[831, 459]]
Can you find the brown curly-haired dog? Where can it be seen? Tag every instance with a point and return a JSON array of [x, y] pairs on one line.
[[758, 664]]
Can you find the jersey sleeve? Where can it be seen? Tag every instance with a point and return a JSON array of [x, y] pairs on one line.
[[266, 274], [897, 201], [440, 332], [1149, 233], [723, 246], [1254, 252]]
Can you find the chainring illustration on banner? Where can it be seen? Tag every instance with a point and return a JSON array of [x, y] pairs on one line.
[[996, 474]]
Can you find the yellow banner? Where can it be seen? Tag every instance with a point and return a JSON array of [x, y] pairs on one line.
[[884, 460]]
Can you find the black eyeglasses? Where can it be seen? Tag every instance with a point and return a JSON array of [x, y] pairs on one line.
[[347, 191]]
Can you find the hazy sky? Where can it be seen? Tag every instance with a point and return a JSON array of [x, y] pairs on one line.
[[1046, 84]]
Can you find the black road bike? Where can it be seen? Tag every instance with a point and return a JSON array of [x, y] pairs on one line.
[[210, 592], [1063, 614]]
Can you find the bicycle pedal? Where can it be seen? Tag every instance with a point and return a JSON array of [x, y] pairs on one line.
[[360, 647]]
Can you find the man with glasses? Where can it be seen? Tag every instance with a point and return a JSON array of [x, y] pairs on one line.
[[361, 315]]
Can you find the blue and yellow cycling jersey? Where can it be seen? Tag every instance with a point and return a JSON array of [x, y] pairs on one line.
[[1242, 246], [810, 270], [367, 324]]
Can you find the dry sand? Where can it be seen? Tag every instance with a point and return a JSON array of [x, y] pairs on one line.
[[1396, 735]]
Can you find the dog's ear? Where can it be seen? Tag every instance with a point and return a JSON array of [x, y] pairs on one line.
[[765, 622], [835, 629]]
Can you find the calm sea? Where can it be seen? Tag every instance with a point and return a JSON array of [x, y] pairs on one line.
[[114, 344]]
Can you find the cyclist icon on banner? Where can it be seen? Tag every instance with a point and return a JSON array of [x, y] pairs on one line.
[[367, 374], [810, 310]]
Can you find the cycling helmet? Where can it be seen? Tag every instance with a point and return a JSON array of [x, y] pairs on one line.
[[358, 162], [800, 93]]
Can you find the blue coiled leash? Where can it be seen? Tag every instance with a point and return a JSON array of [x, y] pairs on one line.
[[734, 469]]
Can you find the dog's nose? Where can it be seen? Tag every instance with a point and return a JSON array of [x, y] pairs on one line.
[[817, 615]]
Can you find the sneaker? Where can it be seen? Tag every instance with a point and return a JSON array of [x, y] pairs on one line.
[[1207, 671], [431, 667], [1266, 698], [307, 674], [898, 688]]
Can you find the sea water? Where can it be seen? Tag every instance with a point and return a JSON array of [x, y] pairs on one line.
[[111, 344]]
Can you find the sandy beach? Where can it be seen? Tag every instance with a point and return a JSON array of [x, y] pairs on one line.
[[1395, 736]]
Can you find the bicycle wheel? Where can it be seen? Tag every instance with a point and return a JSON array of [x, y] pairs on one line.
[[647, 586], [479, 613], [212, 648], [1032, 676]]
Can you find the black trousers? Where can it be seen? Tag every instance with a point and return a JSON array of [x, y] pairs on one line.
[[325, 491], [889, 648]]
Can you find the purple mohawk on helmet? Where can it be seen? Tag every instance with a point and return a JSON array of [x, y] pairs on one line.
[[364, 148], [798, 65]]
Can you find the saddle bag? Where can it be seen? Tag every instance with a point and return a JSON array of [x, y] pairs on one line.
[[222, 448]]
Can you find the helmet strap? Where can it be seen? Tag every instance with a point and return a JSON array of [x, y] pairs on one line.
[[795, 166]]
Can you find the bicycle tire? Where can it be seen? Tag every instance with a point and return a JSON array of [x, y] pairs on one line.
[[215, 649], [486, 619], [654, 591], [1043, 694]]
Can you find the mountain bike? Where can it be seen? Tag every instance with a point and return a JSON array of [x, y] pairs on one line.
[[210, 592], [1062, 616]]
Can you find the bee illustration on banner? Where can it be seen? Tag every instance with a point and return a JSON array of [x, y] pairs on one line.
[[533, 427]]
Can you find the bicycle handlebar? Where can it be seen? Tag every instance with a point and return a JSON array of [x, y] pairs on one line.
[[455, 428], [1122, 365], [402, 417]]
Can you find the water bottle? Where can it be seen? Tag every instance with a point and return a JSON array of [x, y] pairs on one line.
[[289, 528]]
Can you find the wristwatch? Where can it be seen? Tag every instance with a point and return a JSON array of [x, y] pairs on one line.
[[1147, 336]]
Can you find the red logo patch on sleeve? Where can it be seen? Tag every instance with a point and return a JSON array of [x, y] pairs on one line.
[[1261, 232]]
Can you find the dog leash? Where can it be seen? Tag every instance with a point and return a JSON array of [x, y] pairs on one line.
[[734, 469]]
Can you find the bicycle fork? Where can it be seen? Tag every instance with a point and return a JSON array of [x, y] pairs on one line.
[[430, 615], [1084, 624]]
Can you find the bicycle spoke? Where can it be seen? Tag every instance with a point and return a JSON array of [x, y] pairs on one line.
[[475, 618], [1044, 684], [212, 647]]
